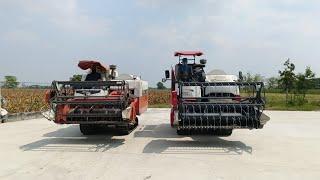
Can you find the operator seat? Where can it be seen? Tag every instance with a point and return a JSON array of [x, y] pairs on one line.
[[94, 76], [184, 71]]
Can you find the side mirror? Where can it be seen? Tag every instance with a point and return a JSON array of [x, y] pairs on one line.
[[240, 76], [167, 74]]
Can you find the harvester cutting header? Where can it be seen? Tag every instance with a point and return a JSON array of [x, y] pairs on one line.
[[212, 102], [102, 98]]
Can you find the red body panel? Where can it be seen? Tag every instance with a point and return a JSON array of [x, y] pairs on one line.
[[174, 98], [63, 110], [172, 117], [133, 114], [138, 105], [174, 104], [142, 104]]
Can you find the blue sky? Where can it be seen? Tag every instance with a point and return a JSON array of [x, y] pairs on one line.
[[41, 41]]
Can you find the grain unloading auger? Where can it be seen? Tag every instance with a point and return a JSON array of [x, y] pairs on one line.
[[101, 99], [215, 102]]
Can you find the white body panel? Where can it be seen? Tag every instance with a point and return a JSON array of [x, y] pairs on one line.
[[100, 92], [221, 78], [138, 86], [222, 89], [126, 113], [3, 112], [135, 84], [191, 91]]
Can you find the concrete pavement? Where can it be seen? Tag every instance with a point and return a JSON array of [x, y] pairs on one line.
[[287, 148]]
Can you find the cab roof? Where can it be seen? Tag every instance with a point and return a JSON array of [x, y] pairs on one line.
[[188, 53], [88, 64]]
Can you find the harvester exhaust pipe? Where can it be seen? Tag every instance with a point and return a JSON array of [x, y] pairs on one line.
[[113, 73], [240, 76]]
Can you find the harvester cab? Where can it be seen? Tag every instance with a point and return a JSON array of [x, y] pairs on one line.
[[102, 99], [213, 102]]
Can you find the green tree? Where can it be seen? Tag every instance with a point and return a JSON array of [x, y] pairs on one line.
[[160, 85], [303, 84], [287, 78], [10, 82], [252, 77], [248, 77], [272, 83], [76, 77]]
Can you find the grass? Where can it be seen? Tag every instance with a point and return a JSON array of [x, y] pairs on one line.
[[276, 101], [310, 91]]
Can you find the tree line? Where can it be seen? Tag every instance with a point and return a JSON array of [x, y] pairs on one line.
[[11, 82], [294, 85]]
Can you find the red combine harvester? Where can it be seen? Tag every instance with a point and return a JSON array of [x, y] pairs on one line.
[[215, 102], [101, 99]]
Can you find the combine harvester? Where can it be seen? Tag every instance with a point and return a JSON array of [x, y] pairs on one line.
[[214, 103], [101, 99]]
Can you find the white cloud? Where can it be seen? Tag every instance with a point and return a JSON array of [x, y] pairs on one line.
[[255, 20], [242, 32], [158, 3], [20, 36], [247, 35], [66, 15]]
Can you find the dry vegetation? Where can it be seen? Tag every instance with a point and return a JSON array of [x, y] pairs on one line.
[[24, 100], [157, 97], [32, 100]]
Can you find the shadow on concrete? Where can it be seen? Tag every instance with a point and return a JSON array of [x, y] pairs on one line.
[[164, 140], [74, 131], [70, 139], [215, 145], [168, 142], [164, 131], [156, 131]]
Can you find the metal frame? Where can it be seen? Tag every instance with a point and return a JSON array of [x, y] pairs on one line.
[[102, 109], [203, 113]]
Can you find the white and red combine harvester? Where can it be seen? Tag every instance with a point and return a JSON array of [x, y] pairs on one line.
[[215, 102], [101, 99]]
